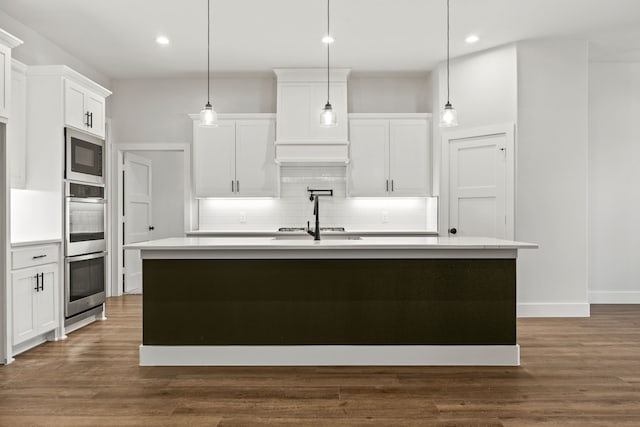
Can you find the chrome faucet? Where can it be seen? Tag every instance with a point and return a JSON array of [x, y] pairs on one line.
[[314, 196]]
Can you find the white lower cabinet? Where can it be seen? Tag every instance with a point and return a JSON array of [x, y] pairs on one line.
[[34, 302], [35, 293], [389, 155]]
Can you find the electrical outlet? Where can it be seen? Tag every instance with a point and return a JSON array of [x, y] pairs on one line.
[[242, 217], [385, 217]]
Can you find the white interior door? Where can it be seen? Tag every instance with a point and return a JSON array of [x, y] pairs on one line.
[[137, 216], [480, 184]]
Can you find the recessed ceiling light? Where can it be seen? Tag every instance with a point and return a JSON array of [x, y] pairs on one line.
[[327, 39], [162, 40], [472, 38]]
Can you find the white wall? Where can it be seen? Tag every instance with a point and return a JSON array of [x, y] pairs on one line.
[[541, 85], [614, 182], [167, 187], [155, 110], [483, 90], [38, 50], [552, 176], [390, 93]]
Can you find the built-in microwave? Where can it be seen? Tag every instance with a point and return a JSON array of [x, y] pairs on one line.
[[84, 157]]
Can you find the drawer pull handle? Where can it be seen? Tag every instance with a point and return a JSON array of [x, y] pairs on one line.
[[38, 256]]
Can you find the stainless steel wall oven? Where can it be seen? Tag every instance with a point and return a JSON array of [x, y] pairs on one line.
[[85, 246]]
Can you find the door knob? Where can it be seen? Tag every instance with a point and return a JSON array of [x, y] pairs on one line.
[[453, 230], [151, 228]]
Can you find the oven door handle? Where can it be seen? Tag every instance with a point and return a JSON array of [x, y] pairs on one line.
[[86, 200], [71, 259]]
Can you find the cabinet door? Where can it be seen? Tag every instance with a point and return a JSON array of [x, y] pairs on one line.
[[17, 130], [45, 301], [256, 171], [74, 108], [408, 157], [369, 166], [214, 156], [23, 285], [5, 80], [95, 106]]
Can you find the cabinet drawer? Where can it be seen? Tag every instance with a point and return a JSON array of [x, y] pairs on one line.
[[32, 256]]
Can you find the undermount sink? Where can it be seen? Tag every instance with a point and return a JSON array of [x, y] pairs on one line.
[[322, 237]]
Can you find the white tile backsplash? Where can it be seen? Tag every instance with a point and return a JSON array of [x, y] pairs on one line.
[[294, 209]]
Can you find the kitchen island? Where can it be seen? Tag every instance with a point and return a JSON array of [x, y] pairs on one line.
[[341, 301]]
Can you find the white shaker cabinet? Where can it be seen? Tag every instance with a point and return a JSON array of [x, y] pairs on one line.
[[34, 305], [17, 126], [214, 158], [84, 109], [35, 293], [236, 158], [389, 155], [7, 42]]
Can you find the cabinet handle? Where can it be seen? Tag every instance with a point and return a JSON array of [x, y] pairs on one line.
[[237, 186], [38, 256], [91, 120], [87, 121], [392, 185], [42, 281], [387, 186], [37, 288], [233, 186]]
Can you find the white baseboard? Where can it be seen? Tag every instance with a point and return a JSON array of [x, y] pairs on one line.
[[331, 355], [553, 310], [614, 297]]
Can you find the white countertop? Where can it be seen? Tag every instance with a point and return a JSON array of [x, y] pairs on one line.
[[269, 243], [262, 233], [35, 243]]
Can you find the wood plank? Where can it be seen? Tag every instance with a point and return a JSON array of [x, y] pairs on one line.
[[575, 372]]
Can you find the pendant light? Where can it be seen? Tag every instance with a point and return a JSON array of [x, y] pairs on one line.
[[328, 116], [449, 115], [208, 116]]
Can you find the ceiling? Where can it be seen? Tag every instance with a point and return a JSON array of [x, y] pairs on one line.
[[117, 37]]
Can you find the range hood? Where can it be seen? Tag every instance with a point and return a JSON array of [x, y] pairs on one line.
[[301, 95]]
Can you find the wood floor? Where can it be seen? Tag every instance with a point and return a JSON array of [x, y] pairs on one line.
[[575, 372]]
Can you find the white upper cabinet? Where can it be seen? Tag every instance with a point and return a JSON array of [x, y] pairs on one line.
[[83, 109], [214, 159], [7, 42], [369, 166], [17, 126], [408, 157], [256, 171], [389, 155], [236, 158]]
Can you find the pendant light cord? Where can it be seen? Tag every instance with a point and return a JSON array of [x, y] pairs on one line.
[[448, 52], [328, 47], [208, 52]]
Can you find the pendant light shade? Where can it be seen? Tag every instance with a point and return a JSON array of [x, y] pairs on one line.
[[208, 116], [448, 115], [328, 117]]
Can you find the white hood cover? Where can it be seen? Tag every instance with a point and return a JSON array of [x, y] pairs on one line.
[[302, 94]]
